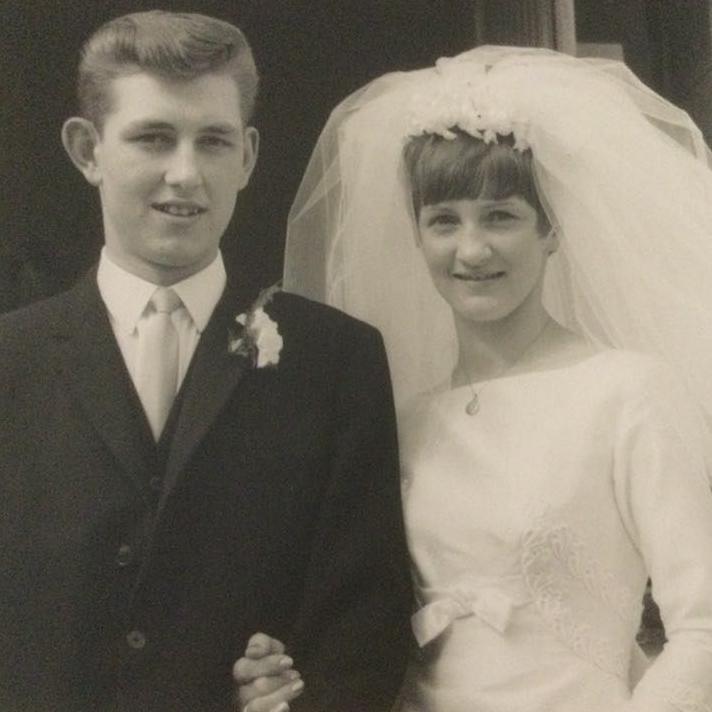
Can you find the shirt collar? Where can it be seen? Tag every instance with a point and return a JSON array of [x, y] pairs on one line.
[[126, 295], [201, 291]]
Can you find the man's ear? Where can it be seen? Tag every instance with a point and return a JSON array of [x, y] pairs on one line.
[[80, 138], [250, 150]]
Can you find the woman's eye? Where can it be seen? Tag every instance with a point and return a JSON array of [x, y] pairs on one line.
[[443, 220], [497, 216]]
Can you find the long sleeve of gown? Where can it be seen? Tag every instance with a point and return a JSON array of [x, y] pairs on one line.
[[663, 488]]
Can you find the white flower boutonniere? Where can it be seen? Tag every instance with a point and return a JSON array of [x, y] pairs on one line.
[[255, 335]]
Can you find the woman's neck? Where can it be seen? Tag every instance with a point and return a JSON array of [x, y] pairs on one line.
[[488, 349]]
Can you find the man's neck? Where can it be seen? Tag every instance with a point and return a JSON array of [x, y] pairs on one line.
[[158, 274]]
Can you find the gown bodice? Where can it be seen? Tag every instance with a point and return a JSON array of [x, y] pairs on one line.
[[533, 526]]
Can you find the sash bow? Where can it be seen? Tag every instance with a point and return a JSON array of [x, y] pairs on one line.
[[490, 605]]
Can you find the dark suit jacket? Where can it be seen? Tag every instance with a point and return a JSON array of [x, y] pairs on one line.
[[131, 576]]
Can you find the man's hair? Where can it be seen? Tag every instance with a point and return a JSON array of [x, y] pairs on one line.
[[465, 167], [167, 44]]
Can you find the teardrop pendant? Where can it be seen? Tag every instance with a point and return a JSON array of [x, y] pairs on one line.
[[473, 406]]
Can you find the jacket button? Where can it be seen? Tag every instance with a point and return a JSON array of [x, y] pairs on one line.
[[136, 640], [124, 556], [156, 484]]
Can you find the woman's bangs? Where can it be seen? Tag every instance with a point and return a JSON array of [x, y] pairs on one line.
[[467, 169]]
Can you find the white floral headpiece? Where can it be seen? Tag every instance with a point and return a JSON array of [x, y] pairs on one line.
[[463, 96]]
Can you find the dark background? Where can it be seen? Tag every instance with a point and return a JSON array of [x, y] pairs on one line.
[[311, 54]]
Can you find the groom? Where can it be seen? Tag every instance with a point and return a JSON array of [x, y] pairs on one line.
[[180, 464]]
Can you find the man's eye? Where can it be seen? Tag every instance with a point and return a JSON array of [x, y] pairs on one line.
[[154, 140], [215, 142]]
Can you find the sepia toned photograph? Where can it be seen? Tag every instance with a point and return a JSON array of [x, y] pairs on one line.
[[356, 356]]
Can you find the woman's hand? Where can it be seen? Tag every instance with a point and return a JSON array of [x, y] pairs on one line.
[[267, 681]]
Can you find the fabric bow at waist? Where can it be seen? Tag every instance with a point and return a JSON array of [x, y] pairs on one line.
[[492, 605]]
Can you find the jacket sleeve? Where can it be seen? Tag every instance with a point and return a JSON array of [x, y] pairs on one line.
[[352, 636]]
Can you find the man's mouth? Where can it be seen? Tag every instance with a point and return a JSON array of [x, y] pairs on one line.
[[479, 276], [179, 210]]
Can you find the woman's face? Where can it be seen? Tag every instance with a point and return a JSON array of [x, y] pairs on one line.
[[486, 257]]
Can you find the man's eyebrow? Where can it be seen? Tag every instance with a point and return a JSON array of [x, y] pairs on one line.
[[155, 125], [149, 124], [219, 129]]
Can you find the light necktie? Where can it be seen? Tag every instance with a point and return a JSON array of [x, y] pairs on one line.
[[157, 358]]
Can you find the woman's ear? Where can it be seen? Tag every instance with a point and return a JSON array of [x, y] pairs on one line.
[[552, 241], [80, 139]]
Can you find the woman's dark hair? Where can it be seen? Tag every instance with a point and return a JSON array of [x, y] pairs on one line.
[[465, 167]]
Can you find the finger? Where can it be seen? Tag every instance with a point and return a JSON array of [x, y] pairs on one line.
[[246, 670], [265, 685], [261, 644], [259, 689], [276, 701]]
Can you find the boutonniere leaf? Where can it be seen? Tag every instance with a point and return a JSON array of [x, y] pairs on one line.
[[255, 335]]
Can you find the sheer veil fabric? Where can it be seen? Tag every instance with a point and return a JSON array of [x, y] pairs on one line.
[[624, 176], [535, 524]]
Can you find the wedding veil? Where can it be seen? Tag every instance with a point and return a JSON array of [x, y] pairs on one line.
[[623, 175]]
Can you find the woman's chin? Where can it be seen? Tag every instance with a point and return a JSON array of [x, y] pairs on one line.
[[481, 309]]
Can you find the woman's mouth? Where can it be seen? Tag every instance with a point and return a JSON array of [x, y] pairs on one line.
[[478, 276]]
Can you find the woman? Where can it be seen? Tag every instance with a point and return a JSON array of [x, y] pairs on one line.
[[556, 394]]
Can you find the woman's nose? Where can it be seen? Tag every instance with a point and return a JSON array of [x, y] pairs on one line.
[[473, 248]]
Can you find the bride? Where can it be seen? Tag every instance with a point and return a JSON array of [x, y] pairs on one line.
[[532, 233]]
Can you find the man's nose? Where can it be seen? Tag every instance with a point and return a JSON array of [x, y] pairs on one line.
[[183, 168], [473, 247]]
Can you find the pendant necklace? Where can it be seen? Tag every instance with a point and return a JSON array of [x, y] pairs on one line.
[[473, 405]]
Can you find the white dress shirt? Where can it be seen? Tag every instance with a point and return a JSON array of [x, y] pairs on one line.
[[126, 297]]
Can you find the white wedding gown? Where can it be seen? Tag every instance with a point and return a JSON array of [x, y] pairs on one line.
[[533, 527]]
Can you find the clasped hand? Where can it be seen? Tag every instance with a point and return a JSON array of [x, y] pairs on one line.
[[266, 680]]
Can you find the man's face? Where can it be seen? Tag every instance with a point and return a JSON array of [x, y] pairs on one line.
[[170, 161]]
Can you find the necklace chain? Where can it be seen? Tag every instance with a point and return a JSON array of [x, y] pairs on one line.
[[472, 407]]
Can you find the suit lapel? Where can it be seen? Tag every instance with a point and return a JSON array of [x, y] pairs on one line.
[[96, 372], [211, 380]]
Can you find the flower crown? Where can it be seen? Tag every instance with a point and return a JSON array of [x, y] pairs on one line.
[[462, 96]]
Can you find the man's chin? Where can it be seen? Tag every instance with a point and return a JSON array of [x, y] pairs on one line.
[[170, 267], [180, 254]]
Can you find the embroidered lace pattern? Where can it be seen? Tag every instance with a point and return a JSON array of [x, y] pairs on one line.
[[578, 596], [684, 696]]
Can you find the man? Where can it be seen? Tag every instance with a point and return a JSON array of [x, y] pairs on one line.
[[181, 466]]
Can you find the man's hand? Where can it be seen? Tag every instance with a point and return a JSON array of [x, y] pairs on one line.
[[267, 682]]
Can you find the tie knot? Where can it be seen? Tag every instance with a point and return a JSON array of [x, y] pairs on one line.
[[165, 300]]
